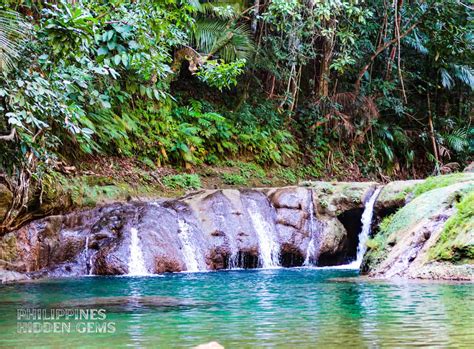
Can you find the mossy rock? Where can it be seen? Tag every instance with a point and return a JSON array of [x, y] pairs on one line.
[[394, 194], [456, 243], [426, 215], [442, 181], [337, 197]]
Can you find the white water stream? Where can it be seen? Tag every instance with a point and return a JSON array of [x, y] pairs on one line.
[[365, 233], [136, 263], [269, 250], [189, 251]]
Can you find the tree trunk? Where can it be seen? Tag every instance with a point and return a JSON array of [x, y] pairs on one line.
[[432, 133]]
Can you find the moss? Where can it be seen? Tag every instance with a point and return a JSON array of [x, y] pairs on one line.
[[441, 182], [395, 193], [377, 247], [354, 194], [456, 242]]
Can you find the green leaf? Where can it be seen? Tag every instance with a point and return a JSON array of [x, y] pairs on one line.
[[117, 59]]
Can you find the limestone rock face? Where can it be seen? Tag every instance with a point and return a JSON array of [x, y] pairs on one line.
[[222, 229], [7, 276], [405, 248], [395, 193]]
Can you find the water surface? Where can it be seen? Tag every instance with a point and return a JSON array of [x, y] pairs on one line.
[[278, 308]]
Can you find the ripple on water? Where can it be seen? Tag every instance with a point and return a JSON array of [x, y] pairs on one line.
[[256, 308]]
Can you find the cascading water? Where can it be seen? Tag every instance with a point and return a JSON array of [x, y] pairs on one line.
[[136, 263], [87, 260], [365, 233], [269, 250], [314, 228], [189, 252]]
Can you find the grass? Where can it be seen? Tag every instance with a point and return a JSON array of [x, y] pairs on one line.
[[456, 242]]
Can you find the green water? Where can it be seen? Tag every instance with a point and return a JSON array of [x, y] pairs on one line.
[[285, 308]]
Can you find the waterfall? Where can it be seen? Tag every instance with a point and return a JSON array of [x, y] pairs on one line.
[[189, 252], [269, 250], [86, 260], [136, 263], [365, 233], [314, 228]]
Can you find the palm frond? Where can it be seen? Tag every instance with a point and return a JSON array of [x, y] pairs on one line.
[[13, 30], [464, 73], [213, 36], [457, 140], [446, 79], [417, 41]]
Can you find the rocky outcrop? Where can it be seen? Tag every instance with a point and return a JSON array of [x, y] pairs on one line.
[[8, 276], [222, 225], [404, 246], [317, 222]]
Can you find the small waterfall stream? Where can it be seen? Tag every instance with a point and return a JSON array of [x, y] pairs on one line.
[[269, 250], [314, 227], [189, 250], [365, 233], [136, 263], [87, 260]]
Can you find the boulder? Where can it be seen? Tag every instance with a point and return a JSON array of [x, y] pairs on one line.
[[469, 168], [394, 194]]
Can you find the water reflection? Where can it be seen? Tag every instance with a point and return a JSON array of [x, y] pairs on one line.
[[269, 308]]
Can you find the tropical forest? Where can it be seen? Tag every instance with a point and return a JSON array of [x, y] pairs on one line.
[[305, 149]]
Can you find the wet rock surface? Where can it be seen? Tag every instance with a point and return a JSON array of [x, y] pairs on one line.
[[317, 223], [223, 227]]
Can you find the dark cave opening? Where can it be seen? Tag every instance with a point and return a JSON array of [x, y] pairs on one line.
[[246, 260], [290, 256], [352, 222]]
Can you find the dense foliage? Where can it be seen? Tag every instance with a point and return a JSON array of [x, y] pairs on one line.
[[370, 88]]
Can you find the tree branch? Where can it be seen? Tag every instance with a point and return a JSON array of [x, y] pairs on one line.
[[382, 47], [10, 136]]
